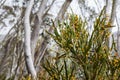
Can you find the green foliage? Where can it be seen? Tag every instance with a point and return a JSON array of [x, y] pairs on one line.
[[59, 71], [89, 53]]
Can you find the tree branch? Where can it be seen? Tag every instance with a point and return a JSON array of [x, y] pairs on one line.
[[44, 43], [27, 39], [38, 21]]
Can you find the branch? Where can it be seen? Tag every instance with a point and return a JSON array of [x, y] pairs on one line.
[[27, 35], [45, 41], [113, 12], [38, 22]]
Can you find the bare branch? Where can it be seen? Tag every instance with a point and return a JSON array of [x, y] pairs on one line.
[[27, 38], [44, 43], [113, 12], [38, 21]]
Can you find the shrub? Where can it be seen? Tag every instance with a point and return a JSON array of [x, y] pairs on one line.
[[83, 55]]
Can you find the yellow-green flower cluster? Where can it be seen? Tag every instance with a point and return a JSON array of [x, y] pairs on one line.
[[74, 21], [115, 62]]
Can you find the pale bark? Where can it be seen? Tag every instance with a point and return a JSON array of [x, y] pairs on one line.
[[112, 17], [36, 29], [108, 14], [118, 36], [111, 12], [27, 39], [108, 9], [63, 10], [44, 43]]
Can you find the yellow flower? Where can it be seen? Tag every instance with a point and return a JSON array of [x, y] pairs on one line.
[[71, 45], [115, 60], [73, 78], [86, 55], [109, 25], [28, 77]]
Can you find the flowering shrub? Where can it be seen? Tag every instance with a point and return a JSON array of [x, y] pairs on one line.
[[89, 53]]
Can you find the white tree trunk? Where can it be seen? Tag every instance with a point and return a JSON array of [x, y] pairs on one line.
[[38, 22], [63, 10], [112, 18], [27, 39], [44, 43], [111, 12], [108, 9], [118, 36]]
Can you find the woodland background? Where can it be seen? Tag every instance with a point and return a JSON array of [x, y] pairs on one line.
[[59, 40]]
